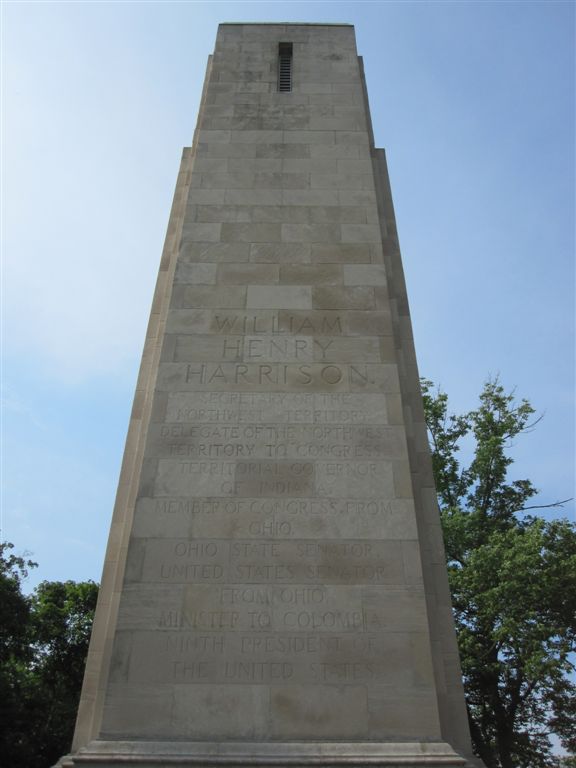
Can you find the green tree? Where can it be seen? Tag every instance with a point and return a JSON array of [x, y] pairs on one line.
[[44, 640], [513, 582], [15, 654], [62, 614]]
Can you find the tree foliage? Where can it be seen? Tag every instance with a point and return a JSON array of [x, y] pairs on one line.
[[43, 641], [513, 582]]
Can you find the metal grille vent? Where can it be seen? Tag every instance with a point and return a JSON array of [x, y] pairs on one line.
[[285, 67]]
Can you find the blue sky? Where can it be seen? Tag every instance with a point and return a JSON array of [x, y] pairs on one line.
[[474, 103]]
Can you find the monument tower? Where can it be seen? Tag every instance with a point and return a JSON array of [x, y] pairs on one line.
[[275, 590]]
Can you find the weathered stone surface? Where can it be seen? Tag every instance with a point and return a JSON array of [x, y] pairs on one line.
[[274, 590]]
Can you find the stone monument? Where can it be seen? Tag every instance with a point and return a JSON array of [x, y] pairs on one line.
[[275, 591]]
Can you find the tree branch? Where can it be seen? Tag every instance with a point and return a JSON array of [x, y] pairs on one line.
[[546, 506]]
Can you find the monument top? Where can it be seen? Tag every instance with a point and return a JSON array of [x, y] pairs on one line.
[[284, 24]]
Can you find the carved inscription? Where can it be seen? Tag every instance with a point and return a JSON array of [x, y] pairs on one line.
[[294, 324], [276, 562], [275, 374], [276, 506], [268, 407], [255, 348]]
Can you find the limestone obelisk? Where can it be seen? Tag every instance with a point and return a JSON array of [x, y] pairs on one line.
[[275, 591]]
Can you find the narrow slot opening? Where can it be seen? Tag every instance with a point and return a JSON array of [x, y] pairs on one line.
[[285, 67]]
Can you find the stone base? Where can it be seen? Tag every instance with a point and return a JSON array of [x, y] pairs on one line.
[[156, 754]]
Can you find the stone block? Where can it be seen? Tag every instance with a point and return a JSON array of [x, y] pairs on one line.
[[357, 197], [253, 196], [257, 165], [198, 196], [223, 213], [246, 274], [342, 298], [354, 165], [213, 137], [129, 706], [201, 233], [309, 712], [405, 715], [364, 274], [331, 213], [360, 233], [359, 138], [310, 197], [251, 233], [309, 137], [184, 296], [376, 323], [239, 180], [341, 181], [199, 274], [322, 274], [280, 252], [340, 253], [311, 233], [199, 709], [226, 150], [281, 150], [338, 151], [257, 137], [281, 180], [307, 165], [214, 252], [279, 297]]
